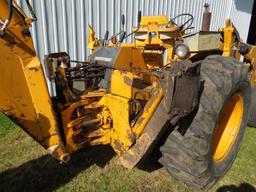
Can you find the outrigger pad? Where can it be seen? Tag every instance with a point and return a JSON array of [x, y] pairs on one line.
[[181, 85]]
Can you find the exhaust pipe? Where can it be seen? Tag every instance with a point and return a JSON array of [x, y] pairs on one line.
[[206, 18]]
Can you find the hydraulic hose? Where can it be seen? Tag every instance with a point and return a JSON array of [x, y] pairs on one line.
[[8, 20], [34, 18]]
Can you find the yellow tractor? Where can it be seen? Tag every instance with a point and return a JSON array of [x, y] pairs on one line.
[[187, 95]]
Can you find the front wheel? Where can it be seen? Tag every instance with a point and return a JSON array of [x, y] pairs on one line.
[[203, 155]]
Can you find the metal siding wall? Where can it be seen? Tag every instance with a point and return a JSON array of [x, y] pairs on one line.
[[240, 14], [62, 24]]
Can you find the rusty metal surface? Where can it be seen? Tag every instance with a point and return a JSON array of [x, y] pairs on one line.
[[146, 141]]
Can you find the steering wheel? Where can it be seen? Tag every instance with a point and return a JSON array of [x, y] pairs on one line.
[[186, 25], [8, 20]]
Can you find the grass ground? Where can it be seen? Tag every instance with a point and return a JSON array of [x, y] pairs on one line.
[[25, 167]]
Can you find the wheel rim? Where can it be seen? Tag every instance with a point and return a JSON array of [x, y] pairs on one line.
[[227, 128]]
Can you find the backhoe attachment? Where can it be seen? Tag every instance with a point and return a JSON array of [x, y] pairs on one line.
[[24, 96]]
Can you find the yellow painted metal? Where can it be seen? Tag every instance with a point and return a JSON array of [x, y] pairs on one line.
[[114, 108], [24, 95], [46, 119], [25, 98], [21, 11], [32, 107], [121, 84], [130, 58], [17, 24], [161, 20], [228, 32], [153, 39], [164, 38], [72, 126], [253, 78], [251, 57], [148, 110], [93, 42], [155, 34], [227, 128], [122, 136]]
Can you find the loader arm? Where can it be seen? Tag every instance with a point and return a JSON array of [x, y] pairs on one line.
[[24, 96]]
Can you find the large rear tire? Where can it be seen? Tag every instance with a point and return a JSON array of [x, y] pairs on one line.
[[206, 151]]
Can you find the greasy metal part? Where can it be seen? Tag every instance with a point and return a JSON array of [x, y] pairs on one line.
[[75, 115], [148, 129], [90, 122], [206, 18], [244, 48], [249, 53], [53, 61], [145, 143], [57, 65], [185, 97], [169, 110]]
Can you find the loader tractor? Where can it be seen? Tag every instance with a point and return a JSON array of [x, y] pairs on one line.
[[187, 95]]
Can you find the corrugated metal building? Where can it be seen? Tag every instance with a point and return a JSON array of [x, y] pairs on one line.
[[62, 24]]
